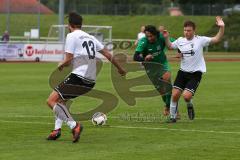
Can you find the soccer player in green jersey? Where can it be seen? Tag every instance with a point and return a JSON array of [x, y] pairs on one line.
[[152, 48]]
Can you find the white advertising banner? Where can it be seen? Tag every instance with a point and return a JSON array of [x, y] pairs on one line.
[[52, 52], [11, 51], [43, 52]]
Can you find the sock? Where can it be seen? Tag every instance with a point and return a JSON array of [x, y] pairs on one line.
[[173, 109], [167, 99], [63, 114], [58, 123], [189, 102], [71, 124]]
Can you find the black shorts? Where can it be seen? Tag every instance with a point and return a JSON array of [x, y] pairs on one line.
[[74, 86], [187, 81]]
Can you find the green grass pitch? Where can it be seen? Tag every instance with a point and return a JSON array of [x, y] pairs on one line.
[[25, 120], [123, 26]]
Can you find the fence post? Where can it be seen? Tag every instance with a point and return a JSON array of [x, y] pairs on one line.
[[192, 9], [129, 9], [209, 9], [39, 13], [8, 16], [115, 9], [87, 8], [61, 20], [101, 9]]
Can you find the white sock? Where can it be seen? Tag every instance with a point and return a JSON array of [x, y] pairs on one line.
[[71, 124], [62, 112], [58, 123], [173, 109]]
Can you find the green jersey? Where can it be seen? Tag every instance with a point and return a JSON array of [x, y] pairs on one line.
[[156, 49]]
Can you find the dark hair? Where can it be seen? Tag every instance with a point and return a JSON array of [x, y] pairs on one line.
[[75, 20], [152, 29], [189, 24]]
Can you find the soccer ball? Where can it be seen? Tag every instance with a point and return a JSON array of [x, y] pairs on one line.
[[99, 118]]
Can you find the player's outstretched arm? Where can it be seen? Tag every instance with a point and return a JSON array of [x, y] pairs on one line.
[[219, 35], [109, 56], [167, 39]]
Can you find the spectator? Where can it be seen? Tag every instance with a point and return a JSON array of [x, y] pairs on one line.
[[5, 37], [140, 35], [161, 29]]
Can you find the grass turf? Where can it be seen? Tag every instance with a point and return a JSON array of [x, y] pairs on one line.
[[123, 26], [25, 121]]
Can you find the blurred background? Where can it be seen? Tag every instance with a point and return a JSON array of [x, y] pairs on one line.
[[31, 20]]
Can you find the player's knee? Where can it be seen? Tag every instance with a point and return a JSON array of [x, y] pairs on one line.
[[175, 96], [187, 96], [50, 102], [166, 76]]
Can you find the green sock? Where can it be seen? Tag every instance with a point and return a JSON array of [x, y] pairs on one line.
[[167, 99]]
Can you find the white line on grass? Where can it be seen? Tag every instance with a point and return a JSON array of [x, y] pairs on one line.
[[25, 122], [174, 129], [130, 127], [113, 117], [26, 116]]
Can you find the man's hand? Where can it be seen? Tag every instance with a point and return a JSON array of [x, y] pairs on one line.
[[219, 35], [219, 21], [60, 66], [122, 72], [167, 40], [148, 57]]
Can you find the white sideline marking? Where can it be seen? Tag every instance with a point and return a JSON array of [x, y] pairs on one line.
[[25, 122], [27, 116], [172, 129], [129, 127], [111, 117]]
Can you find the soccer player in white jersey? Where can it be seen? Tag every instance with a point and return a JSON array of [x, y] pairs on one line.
[[83, 47], [192, 64], [140, 35]]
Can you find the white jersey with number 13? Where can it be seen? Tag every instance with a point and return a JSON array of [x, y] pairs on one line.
[[84, 48]]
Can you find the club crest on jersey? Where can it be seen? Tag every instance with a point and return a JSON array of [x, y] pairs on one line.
[[192, 45]]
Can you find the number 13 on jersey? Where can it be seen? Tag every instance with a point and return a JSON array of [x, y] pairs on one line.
[[90, 48]]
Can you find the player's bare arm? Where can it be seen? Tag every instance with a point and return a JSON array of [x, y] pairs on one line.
[[108, 55], [66, 62], [219, 35], [167, 39]]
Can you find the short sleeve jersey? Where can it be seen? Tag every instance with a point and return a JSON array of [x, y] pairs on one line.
[[192, 53], [156, 49], [84, 48]]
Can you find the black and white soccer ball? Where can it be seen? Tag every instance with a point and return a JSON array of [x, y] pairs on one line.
[[99, 119]]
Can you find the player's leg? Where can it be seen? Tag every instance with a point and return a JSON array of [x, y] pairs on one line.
[[190, 90], [72, 87], [166, 97], [51, 101], [57, 101], [62, 114], [176, 93], [187, 95], [178, 87]]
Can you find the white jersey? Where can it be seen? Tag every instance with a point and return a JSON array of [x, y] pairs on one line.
[[84, 48], [140, 35], [192, 53]]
